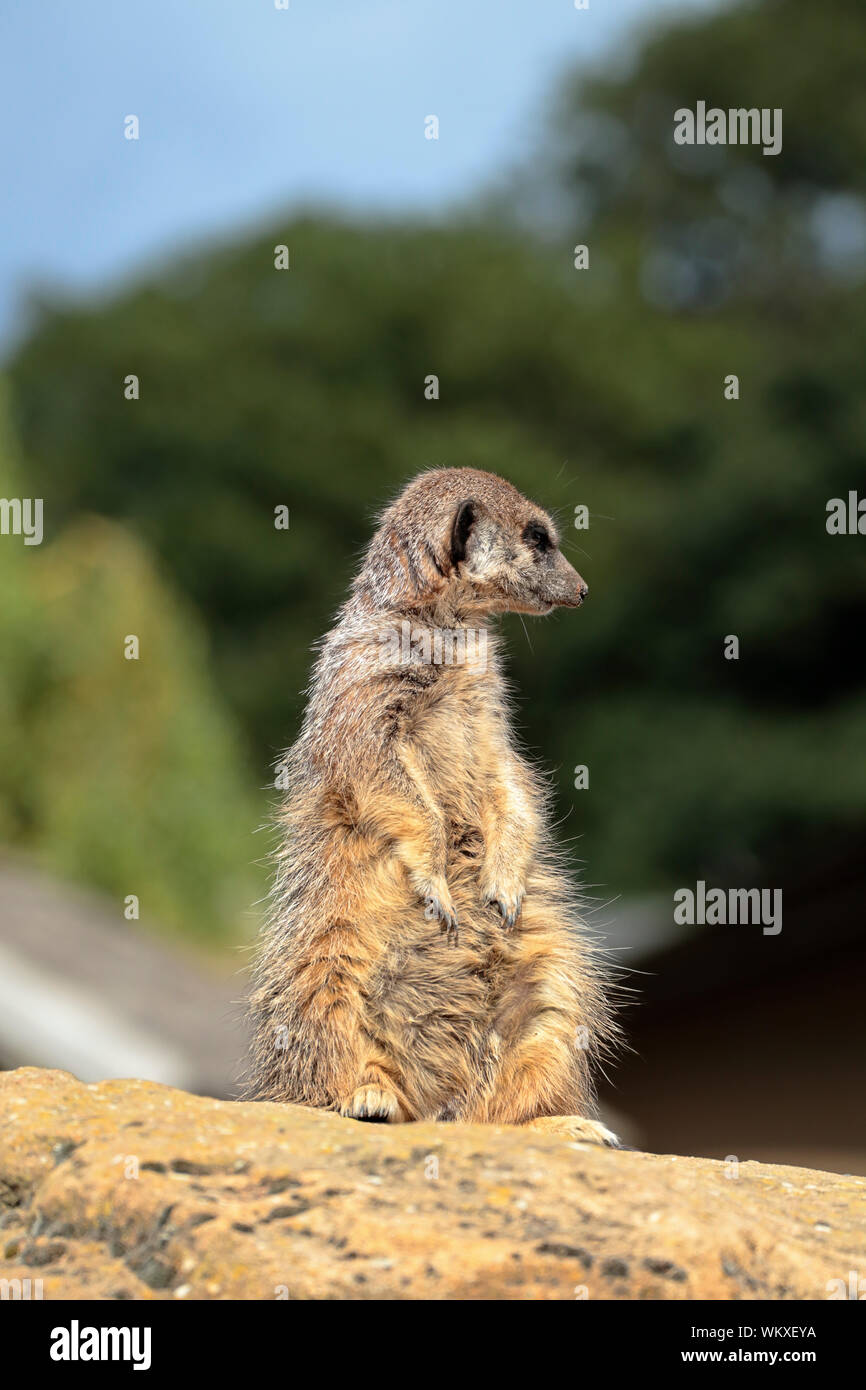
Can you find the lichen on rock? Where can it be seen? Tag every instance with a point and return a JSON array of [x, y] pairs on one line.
[[128, 1189]]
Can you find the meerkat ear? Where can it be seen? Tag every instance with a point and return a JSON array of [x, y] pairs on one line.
[[464, 520]]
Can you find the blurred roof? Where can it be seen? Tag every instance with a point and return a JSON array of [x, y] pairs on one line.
[[85, 990]]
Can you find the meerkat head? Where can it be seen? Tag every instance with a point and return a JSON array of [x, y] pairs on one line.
[[469, 539], [505, 553]]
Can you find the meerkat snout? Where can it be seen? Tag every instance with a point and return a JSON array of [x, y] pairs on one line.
[[510, 560]]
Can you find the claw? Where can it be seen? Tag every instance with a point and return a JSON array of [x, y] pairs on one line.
[[448, 925], [508, 914]]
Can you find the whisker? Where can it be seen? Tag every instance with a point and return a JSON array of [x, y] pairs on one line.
[[574, 546]]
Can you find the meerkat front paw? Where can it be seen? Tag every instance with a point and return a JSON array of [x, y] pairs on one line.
[[375, 1104], [506, 898], [438, 907]]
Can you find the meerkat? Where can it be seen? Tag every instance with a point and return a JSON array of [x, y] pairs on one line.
[[424, 955]]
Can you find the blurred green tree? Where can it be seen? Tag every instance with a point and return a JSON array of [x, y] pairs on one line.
[[124, 774], [602, 387]]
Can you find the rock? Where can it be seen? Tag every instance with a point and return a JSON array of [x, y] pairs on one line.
[[128, 1189]]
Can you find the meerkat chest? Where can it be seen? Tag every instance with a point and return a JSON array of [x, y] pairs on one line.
[[460, 737]]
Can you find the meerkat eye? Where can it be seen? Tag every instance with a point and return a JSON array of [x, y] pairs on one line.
[[537, 537]]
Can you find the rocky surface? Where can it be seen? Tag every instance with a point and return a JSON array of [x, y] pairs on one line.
[[127, 1189]]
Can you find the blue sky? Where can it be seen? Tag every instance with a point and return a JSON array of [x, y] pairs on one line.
[[246, 109]]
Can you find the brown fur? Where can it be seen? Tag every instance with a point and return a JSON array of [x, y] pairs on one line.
[[424, 956]]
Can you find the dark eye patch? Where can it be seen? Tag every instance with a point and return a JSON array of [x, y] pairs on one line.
[[537, 536]]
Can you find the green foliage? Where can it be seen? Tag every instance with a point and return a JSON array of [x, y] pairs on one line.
[[604, 387], [124, 774]]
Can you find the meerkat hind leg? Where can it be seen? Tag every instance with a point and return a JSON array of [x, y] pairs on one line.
[[374, 1099], [541, 1078], [373, 1104], [575, 1127]]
